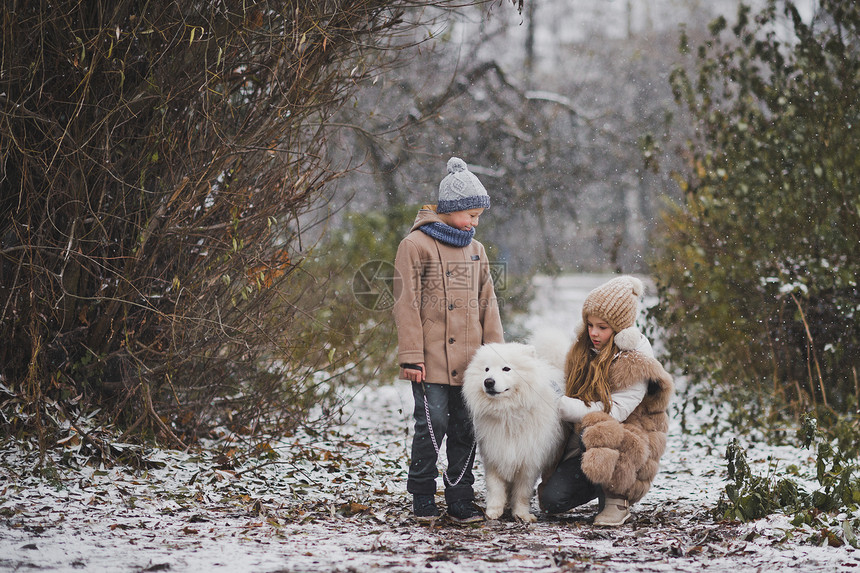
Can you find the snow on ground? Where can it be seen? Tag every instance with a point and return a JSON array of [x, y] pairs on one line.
[[337, 502]]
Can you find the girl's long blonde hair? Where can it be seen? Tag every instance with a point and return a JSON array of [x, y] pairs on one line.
[[587, 372]]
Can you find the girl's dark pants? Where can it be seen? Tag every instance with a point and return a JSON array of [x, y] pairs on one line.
[[567, 487], [449, 417]]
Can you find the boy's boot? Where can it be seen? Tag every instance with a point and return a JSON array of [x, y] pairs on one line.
[[424, 508], [613, 512], [464, 511]]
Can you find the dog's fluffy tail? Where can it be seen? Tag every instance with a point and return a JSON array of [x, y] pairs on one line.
[[551, 344]]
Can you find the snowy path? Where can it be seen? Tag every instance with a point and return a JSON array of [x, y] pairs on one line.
[[342, 506]]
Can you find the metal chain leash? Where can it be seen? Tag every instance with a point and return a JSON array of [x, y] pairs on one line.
[[470, 458]]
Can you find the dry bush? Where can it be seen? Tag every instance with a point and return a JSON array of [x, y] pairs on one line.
[[158, 164]]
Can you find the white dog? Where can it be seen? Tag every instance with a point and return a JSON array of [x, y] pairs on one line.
[[512, 394]]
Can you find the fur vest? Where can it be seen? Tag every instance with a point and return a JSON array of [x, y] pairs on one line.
[[623, 457]]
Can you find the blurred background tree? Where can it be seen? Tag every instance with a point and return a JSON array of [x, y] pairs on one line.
[[758, 264], [548, 108]]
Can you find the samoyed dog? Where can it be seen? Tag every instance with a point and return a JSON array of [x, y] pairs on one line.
[[512, 393]]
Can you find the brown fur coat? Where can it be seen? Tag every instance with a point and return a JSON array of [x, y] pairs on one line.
[[623, 458]]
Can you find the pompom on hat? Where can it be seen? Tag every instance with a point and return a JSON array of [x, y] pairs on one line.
[[615, 301], [460, 189]]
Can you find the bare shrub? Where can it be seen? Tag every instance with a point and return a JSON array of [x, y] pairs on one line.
[[158, 164]]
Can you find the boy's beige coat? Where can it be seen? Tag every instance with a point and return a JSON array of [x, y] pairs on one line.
[[623, 458], [445, 305]]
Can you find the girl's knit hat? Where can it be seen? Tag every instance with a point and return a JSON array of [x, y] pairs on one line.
[[460, 189], [616, 302]]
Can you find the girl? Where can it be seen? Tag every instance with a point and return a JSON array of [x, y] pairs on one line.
[[616, 398]]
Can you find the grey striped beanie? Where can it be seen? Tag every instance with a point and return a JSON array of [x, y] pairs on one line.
[[460, 189]]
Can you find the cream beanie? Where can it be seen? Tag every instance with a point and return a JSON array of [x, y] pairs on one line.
[[615, 301]]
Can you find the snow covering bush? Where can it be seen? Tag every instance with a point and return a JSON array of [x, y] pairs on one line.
[[829, 513]]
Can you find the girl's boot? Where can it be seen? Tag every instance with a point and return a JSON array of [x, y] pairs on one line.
[[614, 512]]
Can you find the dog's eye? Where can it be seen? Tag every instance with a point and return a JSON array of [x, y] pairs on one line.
[[506, 369], [487, 369]]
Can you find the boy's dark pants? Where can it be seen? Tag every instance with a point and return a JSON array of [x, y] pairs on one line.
[[449, 417]]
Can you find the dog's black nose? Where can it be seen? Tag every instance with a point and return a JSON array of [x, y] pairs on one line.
[[489, 383]]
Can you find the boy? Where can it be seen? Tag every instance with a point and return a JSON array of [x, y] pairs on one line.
[[445, 308]]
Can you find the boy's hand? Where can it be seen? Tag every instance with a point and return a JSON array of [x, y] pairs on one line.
[[413, 372]]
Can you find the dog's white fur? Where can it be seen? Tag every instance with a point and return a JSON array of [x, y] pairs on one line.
[[512, 394]]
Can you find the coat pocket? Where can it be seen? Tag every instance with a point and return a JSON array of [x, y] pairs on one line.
[[428, 328]]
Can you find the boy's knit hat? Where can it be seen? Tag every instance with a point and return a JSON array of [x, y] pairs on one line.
[[616, 302], [460, 189]]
